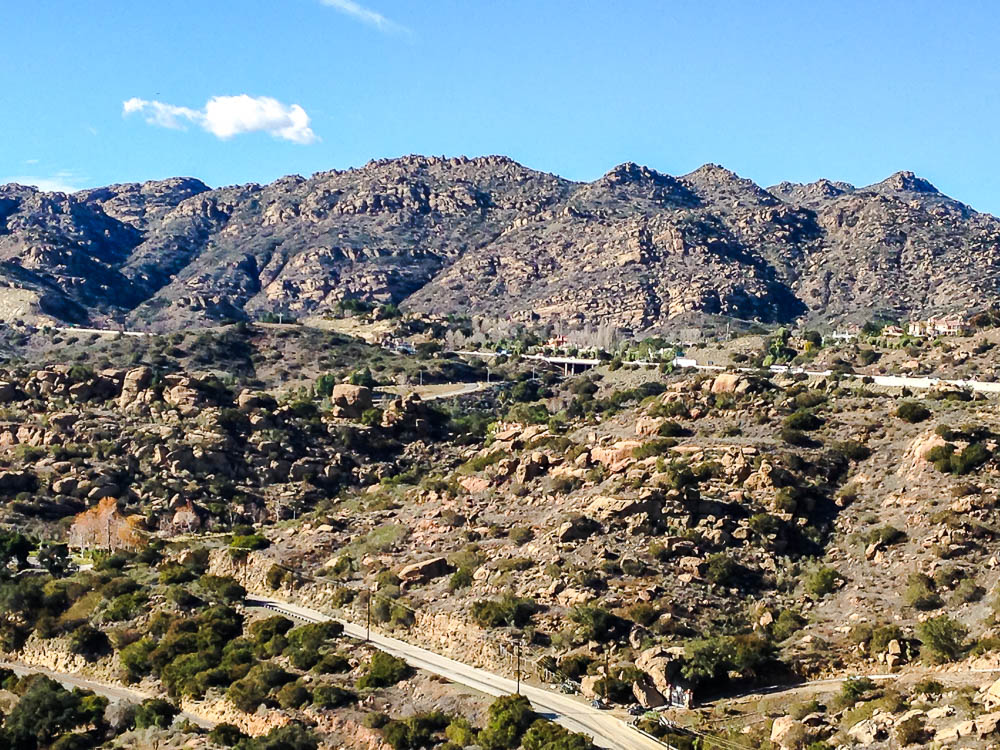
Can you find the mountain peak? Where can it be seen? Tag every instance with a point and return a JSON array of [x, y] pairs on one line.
[[629, 172], [908, 182]]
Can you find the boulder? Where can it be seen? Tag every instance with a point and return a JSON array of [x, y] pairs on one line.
[[249, 400], [588, 685], [134, 382], [991, 698], [646, 693], [726, 382], [531, 466], [424, 571], [615, 457], [9, 392], [16, 481], [63, 421], [350, 401], [576, 529], [787, 732], [474, 485], [660, 665], [648, 426], [605, 508]]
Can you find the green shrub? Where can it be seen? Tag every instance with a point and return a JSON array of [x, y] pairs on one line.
[[803, 420], [460, 579], [912, 412], [155, 712], [942, 638], [796, 438], [671, 429], [222, 589], [969, 591], [134, 659], [852, 450], [509, 718], [275, 577], [594, 623], [787, 624], [293, 695], [460, 732], [521, 535], [643, 613], [243, 544], [711, 659], [822, 582], [332, 663], [920, 593], [384, 670], [226, 735], [332, 696], [910, 731], [721, 569], [653, 448], [853, 689], [547, 735], [885, 535], [508, 610], [928, 686], [882, 636], [88, 641]]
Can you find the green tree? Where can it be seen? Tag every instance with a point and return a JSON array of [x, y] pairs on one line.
[[384, 670], [509, 718], [45, 711], [155, 712], [942, 638]]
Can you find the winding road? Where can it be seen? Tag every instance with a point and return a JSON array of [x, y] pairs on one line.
[[113, 692], [607, 729]]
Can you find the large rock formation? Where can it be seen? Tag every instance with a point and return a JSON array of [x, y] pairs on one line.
[[634, 249]]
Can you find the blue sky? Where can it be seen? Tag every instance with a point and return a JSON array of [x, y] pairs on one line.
[[238, 91]]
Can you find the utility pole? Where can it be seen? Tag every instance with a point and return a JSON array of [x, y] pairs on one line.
[[368, 637], [517, 670], [607, 674]]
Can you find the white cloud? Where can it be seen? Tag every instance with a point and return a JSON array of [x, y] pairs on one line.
[[365, 15], [226, 116], [60, 182]]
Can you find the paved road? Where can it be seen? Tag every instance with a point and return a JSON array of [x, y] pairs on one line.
[[453, 390], [114, 692], [893, 381], [102, 331], [574, 713]]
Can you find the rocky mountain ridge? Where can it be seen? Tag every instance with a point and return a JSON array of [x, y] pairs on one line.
[[635, 249]]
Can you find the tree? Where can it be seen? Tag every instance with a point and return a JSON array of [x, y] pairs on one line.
[[134, 659], [88, 641], [226, 734], [104, 527], [912, 412], [509, 718], [223, 589], [547, 735], [54, 557], [14, 547], [155, 712], [384, 670], [289, 737], [45, 711], [943, 638]]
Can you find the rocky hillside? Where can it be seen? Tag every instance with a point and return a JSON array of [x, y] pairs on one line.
[[635, 249]]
